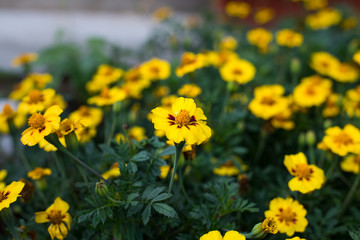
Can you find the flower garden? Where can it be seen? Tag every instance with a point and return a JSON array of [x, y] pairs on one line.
[[219, 127]]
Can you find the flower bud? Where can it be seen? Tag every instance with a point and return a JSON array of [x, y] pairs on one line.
[[262, 229], [116, 107], [72, 142], [310, 138], [301, 139], [295, 66], [101, 189]]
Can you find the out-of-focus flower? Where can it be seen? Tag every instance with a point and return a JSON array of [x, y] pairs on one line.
[[349, 23], [25, 58], [323, 62], [189, 90], [264, 15], [356, 57], [3, 174], [8, 116], [323, 19], [189, 63], [289, 38], [228, 43], [344, 72], [156, 69], [260, 37], [104, 76], [216, 235], [161, 91], [295, 238], [240, 71], [331, 108], [315, 4], [36, 101], [237, 9], [108, 97], [164, 171], [351, 163], [10, 193], [38, 173], [162, 13], [113, 172], [87, 116]]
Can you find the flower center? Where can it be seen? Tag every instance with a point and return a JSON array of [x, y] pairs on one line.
[[36, 121], [343, 139], [55, 217], [4, 195], [310, 91], [268, 100], [269, 225], [155, 70], [187, 60], [286, 215], [303, 171], [35, 96], [7, 111], [237, 71], [84, 111], [105, 93], [183, 118]]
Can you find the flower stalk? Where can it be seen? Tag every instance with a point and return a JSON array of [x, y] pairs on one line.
[[178, 149]]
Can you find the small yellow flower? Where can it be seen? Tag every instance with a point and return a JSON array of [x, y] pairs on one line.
[[57, 214], [20, 90], [9, 115], [228, 169], [342, 141], [113, 172], [164, 171], [351, 164], [331, 108], [87, 116], [296, 238], [67, 126], [39, 80], [264, 15], [260, 37], [228, 44], [3, 174], [237, 9], [41, 125], [23, 59], [86, 134], [156, 69], [240, 71], [352, 102], [162, 13], [108, 97], [269, 225], [161, 91], [104, 76], [307, 177], [344, 72], [289, 215], [38, 173], [36, 101], [184, 122], [137, 133], [356, 57], [48, 147], [289, 38], [315, 4], [190, 62], [323, 62], [10, 193], [189, 90], [283, 120], [216, 235], [323, 19]]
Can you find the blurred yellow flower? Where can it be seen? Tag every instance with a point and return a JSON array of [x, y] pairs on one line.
[[10, 193], [289, 215], [356, 57], [41, 125], [184, 122], [349, 23], [264, 15], [315, 4], [156, 69], [323, 19], [323, 62], [237, 9], [137, 133], [307, 177], [38, 173], [87, 116], [86, 134], [283, 120], [189, 90], [48, 147], [57, 214], [216, 235], [228, 169], [7, 116], [39, 80], [24, 59], [351, 102], [108, 97], [190, 62], [3, 174], [344, 72], [113, 172], [161, 91], [228, 43], [331, 108], [162, 13], [164, 171], [351, 163], [104, 76], [36, 101], [240, 71], [260, 37], [68, 125], [295, 238], [289, 38]]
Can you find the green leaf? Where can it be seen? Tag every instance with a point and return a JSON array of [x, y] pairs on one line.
[[84, 215], [355, 235], [146, 214], [134, 209], [109, 212], [96, 219], [154, 193], [141, 157], [132, 196], [165, 210], [102, 215], [132, 168], [168, 151], [161, 197]]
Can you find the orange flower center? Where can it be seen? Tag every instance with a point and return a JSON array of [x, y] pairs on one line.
[[37, 121], [186, 59], [268, 100], [7, 111], [269, 225], [310, 91], [105, 93], [35, 96], [343, 139], [237, 71], [155, 70], [303, 171], [286, 215], [4, 195], [183, 118], [56, 217]]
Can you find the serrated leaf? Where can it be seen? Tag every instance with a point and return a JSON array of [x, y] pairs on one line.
[[109, 212], [132, 168], [355, 235], [161, 197], [132, 196], [96, 219], [141, 157], [165, 210], [87, 214], [168, 151], [134, 209], [146, 214], [102, 215], [154, 193]]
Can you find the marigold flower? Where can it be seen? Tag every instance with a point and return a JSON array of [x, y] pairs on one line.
[[351, 102], [164, 171], [190, 62], [113, 172], [283, 120], [9, 115], [269, 225], [315, 4], [38, 173], [10, 193], [41, 125], [228, 43], [295, 238], [307, 177], [36, 101], [216, 235], [156, 69], [351, 163], [136, 132], [342, 141], [356, 57], [87, 116], [86, 134], [289, 215], [264, 15], [39, 80], [323, 19], [48, 147], [237, 9], [349, 23], [344, 72], [104, 76], [184, 122], [189, 90], [240, 71], [289, 38], [323, 62], [162, 13], [58, 215], [229, 169], [161, 91], [20, 90], [260, 37], [3, 174], [331, 108], [108, 97], [24, 58], [67, 126]]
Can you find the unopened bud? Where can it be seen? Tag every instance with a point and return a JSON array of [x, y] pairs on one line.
[[310, 138], [101, 189], [301, 139], [262, 229], [295, 66], [116, 107], [327, 123], [72, 142]]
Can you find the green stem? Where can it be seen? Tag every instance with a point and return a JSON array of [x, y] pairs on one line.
[[350, 194], [8, 218], [178, 147], [261, 145], [312, 154], [110, 134], [182, 188]]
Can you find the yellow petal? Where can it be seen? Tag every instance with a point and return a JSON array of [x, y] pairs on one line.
[[41, 217]]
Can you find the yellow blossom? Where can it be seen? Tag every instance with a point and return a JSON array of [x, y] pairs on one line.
[[344, 72], [228, 169], [349, 23], [39, 80], [3, 174], [10, 193], [190, 62], [135, 82], [289, 215], [189, 90], [162, 13], [113, 172], [307, 177], [295, 238], [164, 171], [283, 120], [108, 97], [269, 225], [264, 15], [86, 134], [7, 116], [156, 69], [216, 235], [36, 101], [87, 116], [184, 122], [289, 38], [137, 133], [20, 90], [48, 147], [315, 4], [323, 19], [356, 57], [351, 163], [41, 125], [67, 126], [228, 43], [161, 91], [24, 58], [57, 214], [352, 102], [38, 173], [260, 37], [104, 76], [323, 62], [331, 108], [237, 9], [240, 71]]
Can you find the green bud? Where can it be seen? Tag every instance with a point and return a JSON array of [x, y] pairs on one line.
[[116, 107], [310, 138], [295, 66], [101, 189], [301, 139], [327, 123], [232, 86], [41, 184], [72, 142]]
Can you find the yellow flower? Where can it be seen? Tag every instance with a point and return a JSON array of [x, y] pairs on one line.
[[264, 15], [184, 122], [104, 76], [289, 215], [113, 172], [36, 101], [41, 125], [67, 126], [352, 102], [137, 133], [260, 37], [156, 69], [20, 90], [87, 116], [331, 108], [161, 91], [342, 141], [240, 71], [289, 38], [344, 72], [38, 173], [3, 174], [356, 57], [216, 235], [315, 4], [269, 101], [58, 215], [39, 80], [9, 115], [307, 177], [312, 91], [24, 58], [86, 134], [162, 13], [283, 120], [164, 171], [349, 23], [168, 101], [351, 164], [269, 225], [189, 90], [108, 97], [296, 238], [10, 193], [228, 44], [228, 169], [48, 147], [323, 19], [135, 82], [190, 62], [237, 9], [323, 62]]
